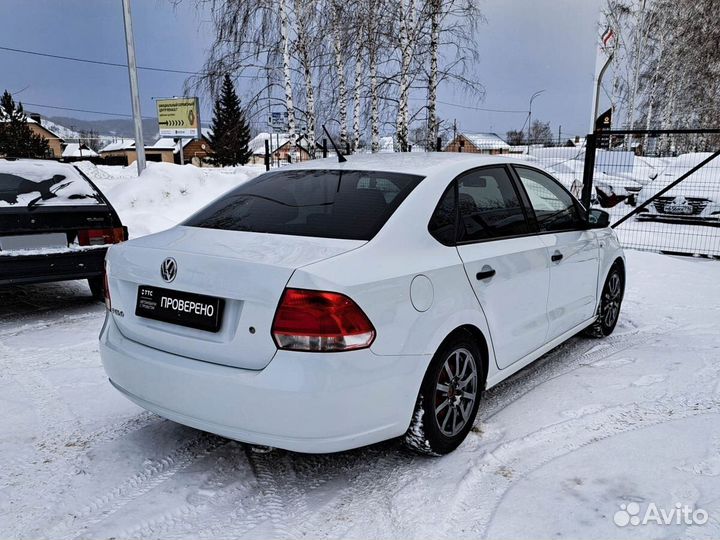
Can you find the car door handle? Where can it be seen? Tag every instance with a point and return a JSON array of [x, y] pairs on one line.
[[556, 257], [485, 273]]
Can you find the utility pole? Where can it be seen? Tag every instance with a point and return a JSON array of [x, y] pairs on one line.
[[134, 89]]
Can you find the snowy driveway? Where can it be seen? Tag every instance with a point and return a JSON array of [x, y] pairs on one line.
[[555, 451]]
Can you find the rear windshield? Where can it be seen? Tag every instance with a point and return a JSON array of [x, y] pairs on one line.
[[352, 205], [43, 183]]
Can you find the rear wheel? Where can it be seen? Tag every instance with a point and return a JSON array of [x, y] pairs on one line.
[[449, 398], [97, 287], [610, 303]]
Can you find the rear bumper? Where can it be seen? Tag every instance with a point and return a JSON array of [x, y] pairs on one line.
[[304, 402], [80, 264]]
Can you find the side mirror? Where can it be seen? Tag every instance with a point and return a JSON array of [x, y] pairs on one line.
[[598, 219]]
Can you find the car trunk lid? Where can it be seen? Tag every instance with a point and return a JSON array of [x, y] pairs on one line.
[[248, 271]]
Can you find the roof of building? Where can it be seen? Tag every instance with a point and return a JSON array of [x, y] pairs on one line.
[[277, 141], [486, 141], [78, 150], [51, 132], [40, 125], [163, 143], [115, 146]]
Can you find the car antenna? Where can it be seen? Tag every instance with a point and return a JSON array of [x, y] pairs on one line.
[[341, 158]]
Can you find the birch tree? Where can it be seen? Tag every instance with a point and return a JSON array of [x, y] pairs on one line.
[[373, 44], [407, 37], [435, 7], [287, 79], [360, 62], [305, 12], [336, 27]]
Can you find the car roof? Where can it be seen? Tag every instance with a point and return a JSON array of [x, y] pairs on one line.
[[418, 163]]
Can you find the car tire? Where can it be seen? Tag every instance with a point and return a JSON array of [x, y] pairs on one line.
[[449, 398], [610, 304], [97, 287]]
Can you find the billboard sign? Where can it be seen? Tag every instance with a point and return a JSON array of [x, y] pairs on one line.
[[179, 117]]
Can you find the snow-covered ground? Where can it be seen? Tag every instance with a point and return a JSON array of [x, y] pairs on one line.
[[165, 193], [555, 451]]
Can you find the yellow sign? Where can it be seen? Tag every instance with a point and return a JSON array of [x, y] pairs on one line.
[[178, 117]]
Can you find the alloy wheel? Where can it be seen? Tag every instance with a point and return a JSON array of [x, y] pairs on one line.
[[612, 297], [456, 392]]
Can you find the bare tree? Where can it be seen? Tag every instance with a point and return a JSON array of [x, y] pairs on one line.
[[337, 20], [305, 13], [302, 50], [287, 78]]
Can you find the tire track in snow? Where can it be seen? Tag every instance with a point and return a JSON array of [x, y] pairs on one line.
[[282, 499], [152, 475], [52, 411], [557, 363], [371, 492], [47, 323], [483, 488], [364, 475], [217, 491]]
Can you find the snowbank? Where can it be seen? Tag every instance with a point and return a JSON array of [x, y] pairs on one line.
[[165, 194]]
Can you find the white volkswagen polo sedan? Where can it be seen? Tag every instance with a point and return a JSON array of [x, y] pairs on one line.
[[327, 306]]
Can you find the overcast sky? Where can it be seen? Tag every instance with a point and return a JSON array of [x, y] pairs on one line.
[[526, 45]]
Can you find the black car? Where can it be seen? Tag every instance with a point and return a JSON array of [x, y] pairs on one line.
[[55, 224]]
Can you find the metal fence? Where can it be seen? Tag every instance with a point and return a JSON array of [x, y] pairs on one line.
[[662, 188]]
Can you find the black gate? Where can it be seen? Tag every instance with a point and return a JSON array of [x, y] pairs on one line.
[[661, 188]]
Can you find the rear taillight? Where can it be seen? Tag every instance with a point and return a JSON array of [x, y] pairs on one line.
[[99, 237], [320, 321]]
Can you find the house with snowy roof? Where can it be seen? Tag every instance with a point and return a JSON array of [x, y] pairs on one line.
[[55, 142], [280, 148], [478, 143], [165, 149], [74, 151]]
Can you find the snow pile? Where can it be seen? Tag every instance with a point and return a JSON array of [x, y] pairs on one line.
[[165, 194]]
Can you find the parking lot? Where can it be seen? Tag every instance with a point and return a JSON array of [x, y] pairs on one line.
[[590, 426]]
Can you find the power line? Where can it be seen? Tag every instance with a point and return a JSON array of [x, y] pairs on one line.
[[82, 110], [106, 113], [110, 64], [509, 111]]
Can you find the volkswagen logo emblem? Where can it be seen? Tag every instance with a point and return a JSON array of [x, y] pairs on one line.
[[168, 269]]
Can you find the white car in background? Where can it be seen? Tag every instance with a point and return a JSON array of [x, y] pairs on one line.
[[613, 187], [696, 199], [327, 306]]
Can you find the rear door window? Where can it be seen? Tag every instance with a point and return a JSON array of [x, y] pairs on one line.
[[28, 184], [351, 205], [489, 206]]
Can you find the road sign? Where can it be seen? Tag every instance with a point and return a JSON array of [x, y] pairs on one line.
[[278, 121], [179, 117]]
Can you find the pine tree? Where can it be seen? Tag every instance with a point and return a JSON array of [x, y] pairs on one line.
[[16, 137], [230, 132]]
